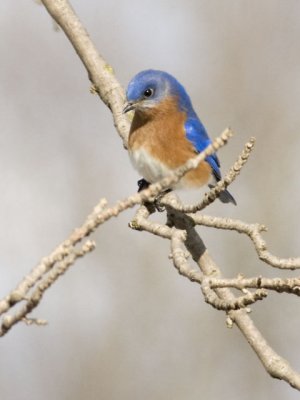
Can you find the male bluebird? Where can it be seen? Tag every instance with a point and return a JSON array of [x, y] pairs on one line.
[[166, 132]]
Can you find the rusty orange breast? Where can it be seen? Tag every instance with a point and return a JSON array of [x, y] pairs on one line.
[[160, 132]]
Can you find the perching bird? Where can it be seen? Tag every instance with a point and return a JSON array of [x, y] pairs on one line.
[[166, 132]]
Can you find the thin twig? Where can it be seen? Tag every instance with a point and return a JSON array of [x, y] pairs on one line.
[[214, 193], [253, 231]]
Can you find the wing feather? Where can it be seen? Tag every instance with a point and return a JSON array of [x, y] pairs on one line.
[[196, 133]]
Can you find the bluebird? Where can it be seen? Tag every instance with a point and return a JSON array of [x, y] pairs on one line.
[[166, 132]]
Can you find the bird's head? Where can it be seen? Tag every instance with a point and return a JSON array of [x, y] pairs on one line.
[[148, 89]]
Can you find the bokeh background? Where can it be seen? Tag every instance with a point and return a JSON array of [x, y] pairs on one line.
[[122, 323]]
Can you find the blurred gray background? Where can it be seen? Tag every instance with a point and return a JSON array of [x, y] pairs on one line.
[[122, 323]]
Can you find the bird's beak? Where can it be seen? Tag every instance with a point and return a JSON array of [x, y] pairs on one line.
[[130, 105]]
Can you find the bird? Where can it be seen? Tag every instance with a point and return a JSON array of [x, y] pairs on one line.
[[165, 132]]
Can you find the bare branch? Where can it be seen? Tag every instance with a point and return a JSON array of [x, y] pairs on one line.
[[56, 264], [69, 258], [212, 298], [99, 71], [275, 365], [280, 285], [253, 231]]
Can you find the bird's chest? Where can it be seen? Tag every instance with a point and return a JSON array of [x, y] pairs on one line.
[[150, 167], [151, 147], [159, 145]]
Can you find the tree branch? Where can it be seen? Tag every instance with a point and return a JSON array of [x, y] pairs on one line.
[[253, 231], [33, 286], [99, 71], [181, 230]]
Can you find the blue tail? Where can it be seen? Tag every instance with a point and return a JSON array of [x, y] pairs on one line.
[[226, 197]]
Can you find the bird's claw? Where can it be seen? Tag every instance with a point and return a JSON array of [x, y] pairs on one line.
[[142, 185]]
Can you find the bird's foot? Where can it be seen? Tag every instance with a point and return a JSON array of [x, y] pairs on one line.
[[157, 202], [142, 185]]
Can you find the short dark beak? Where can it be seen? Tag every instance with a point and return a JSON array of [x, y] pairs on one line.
[[130, 105]]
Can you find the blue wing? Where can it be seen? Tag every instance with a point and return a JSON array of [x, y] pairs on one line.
[[196, 133]]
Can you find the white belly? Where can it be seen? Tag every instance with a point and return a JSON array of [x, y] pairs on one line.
[[151, 169]]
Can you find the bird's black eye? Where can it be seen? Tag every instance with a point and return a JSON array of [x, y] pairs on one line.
[[148, 92]]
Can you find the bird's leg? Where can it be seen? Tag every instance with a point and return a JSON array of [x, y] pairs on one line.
[[143, 184], [157, 204]]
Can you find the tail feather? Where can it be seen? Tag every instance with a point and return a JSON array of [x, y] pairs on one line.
[[225, 196]]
